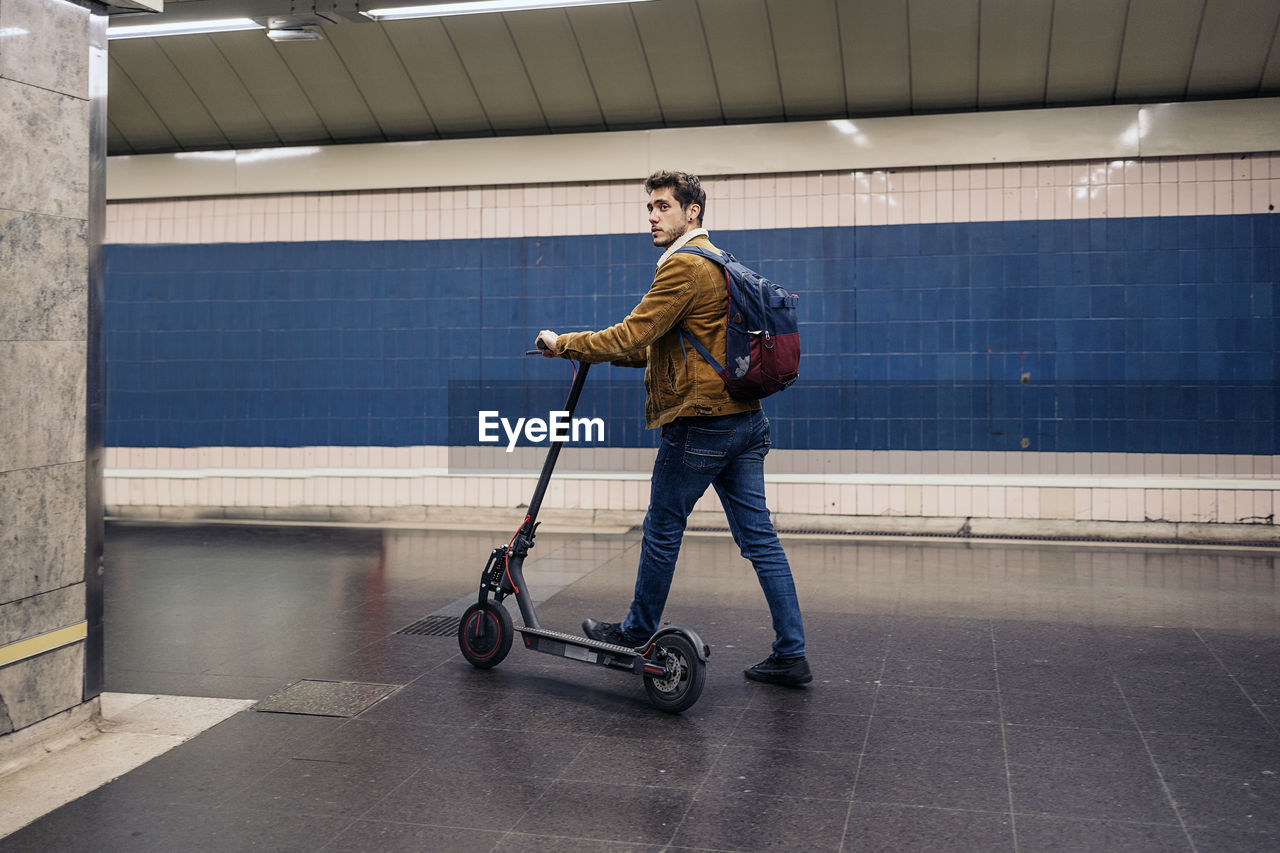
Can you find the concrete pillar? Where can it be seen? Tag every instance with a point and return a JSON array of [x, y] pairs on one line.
[[52, 155]]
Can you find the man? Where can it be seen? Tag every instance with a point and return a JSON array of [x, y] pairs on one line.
[[708, 438]]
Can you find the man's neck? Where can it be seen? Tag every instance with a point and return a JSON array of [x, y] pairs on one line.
[[680, 241]]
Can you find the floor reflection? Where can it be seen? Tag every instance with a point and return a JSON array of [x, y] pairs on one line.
[[967, 696]]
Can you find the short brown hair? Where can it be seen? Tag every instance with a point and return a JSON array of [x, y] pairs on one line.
[[686, 188]]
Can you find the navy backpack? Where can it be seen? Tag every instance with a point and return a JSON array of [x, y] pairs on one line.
[[762, 340]]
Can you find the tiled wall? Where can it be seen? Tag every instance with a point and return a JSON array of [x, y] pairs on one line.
[[1027, 321], [1173, 186], [1139, 335]]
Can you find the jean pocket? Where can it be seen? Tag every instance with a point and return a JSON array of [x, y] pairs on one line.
[[706, 449]]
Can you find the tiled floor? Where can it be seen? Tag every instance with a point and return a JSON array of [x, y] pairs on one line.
[[967, 697]]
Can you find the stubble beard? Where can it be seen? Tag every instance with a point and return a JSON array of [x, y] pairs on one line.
[[664, 238]]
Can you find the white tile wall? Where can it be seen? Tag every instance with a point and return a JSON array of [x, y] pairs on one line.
[[1176, 186], [289, 477]]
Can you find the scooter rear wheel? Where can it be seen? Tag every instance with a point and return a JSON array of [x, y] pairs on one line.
[[484, 634], [686, 673]]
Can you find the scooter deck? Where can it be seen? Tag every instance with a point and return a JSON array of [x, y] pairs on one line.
[[578, 647]]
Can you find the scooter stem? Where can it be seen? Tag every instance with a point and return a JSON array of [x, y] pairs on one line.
[[544, 479]]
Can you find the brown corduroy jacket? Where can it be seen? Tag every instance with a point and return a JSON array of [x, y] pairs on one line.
[[689, 292]]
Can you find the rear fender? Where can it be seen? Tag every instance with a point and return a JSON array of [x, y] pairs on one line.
[[700, 648]]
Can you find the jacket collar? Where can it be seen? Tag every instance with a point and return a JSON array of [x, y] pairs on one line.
[[679, 244]]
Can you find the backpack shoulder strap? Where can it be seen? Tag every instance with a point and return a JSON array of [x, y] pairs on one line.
[[723, 262], [702, 351]]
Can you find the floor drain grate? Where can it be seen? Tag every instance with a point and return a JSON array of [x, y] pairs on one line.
[[325, 698], [433, 626]]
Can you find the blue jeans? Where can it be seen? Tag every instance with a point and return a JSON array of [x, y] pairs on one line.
[[726, 452]]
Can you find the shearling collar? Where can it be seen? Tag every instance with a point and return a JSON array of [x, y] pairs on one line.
[[679, 244]]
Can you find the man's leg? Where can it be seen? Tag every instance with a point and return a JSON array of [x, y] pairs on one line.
[[740, 487], [689, 457]]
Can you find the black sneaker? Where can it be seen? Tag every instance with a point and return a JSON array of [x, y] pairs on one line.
[[608, 632], [775, 670]]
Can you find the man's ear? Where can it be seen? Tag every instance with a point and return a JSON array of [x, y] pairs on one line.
[[695, 212]]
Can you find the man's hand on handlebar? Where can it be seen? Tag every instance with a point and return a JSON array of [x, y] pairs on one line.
[[546, 342]]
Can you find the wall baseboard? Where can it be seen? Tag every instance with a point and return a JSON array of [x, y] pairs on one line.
[[476, 519]]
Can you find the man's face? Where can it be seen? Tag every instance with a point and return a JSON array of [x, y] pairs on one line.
[[667, 221]]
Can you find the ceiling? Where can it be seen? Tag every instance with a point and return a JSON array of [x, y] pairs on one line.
[[669, 63]]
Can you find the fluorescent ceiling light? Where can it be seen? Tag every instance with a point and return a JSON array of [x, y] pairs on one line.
[[295, 34], [182, 28], [257, 155], [253, 155], [205, 155], [475, 7]]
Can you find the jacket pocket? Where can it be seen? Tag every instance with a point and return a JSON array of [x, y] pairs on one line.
[[707, 449], [669, 375]]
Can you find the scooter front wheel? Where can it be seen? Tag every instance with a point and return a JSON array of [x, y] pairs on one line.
[[484, 634], [681, 685]]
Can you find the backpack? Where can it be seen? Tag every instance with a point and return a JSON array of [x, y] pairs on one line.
[[762, 340]]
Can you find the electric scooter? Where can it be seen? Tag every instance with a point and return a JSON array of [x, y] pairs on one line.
[[673, 662]]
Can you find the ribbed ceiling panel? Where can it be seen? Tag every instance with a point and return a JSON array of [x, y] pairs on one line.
[[672, 63]]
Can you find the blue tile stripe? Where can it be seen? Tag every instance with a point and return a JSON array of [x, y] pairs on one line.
[[1126, 335]]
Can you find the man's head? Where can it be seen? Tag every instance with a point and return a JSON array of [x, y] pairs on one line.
[[676, 205]]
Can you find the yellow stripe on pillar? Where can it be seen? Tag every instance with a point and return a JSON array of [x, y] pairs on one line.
[[42, 643]]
